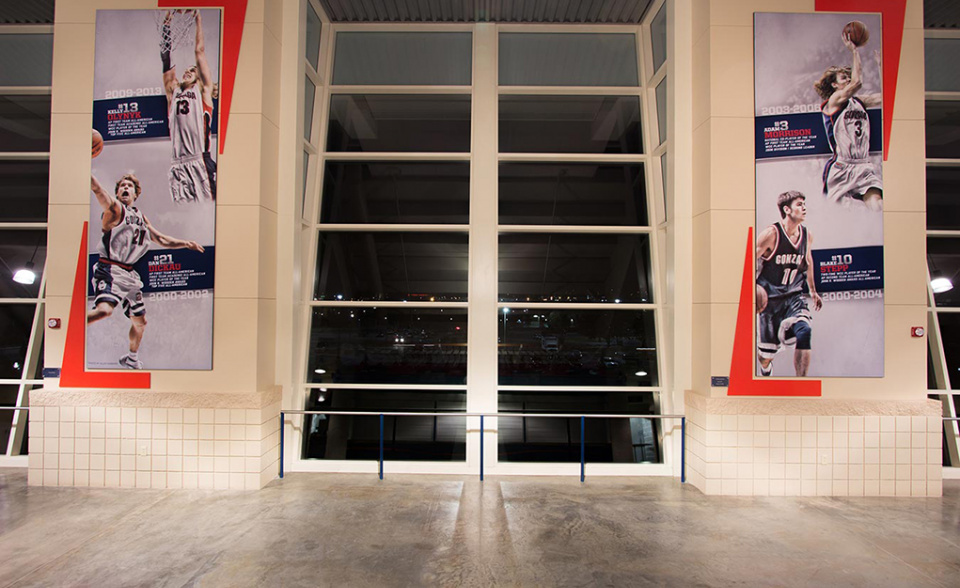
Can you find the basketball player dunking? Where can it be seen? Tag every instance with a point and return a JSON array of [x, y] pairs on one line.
[[849, 173], [126, 238], [193, 171], [784, 261]]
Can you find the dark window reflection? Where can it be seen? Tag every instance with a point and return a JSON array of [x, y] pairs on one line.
[[606, 440], [405, 438], [26, 123], [388, 345], [8, 397], [943, 259], [950, 337], [541, 267], [23, 196], [16, 321], [572, 194], [382, 122], [396, 192], [943, 197], [391, 266], [17, 248], [545, 347], [570, 124], [943, 129], [931, 372]]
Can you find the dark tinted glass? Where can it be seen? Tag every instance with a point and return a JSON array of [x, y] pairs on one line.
[[23, 191], [548, 347], [658, 37], [568, 59], [940, 58], [312, 46], [540, 267], [392, 266], [943, 129], [309, 94], [16, 250], [943, 258], [380, 122], [395, 192], [572, 194], [26, 123], [950, 337], [403, 58], [8, 397], [570, 124], [931, 372], [662, 111], [16, 320], [943, 197], [388, 345], [405, 438], [606, 440], [26, 60]]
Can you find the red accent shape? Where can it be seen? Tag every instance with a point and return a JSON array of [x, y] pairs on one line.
[[894, 13], [743, 362], [72, 372], [234, 14]]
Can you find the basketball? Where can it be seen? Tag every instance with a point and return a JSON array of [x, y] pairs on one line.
[[97, 143], [857, 32], [761, 298]]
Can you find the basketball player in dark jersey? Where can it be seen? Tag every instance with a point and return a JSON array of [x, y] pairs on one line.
[[784, 262], [849, 172]]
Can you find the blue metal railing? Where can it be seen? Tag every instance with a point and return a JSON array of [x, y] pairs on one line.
[[582, 417]]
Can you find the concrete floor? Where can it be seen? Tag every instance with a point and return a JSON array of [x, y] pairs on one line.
[[354, 530]]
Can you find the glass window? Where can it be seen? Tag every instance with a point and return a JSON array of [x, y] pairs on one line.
[[388, 346], [570, 124], [405, 438], [381, 122], [572, 194], [411, 58], [547, 347], [306, 173], [23, 191], [568, 59], [391, 266], [943, 129], [313, 37], [658, 37], [662, 110], [950, 338], [17, 248], [606, 440], [562, 267], [26, 123], [16, 321], [309, 95], [943, 256], [396, 192], [663, 176], [26, 60], [943, 198], [941, 57], [8, 397]]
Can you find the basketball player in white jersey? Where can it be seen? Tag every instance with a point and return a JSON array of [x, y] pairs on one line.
[[125, 239], [849, 173], [193, 171]]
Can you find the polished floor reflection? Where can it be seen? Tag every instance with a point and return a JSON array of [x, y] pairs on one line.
[[354, 530]]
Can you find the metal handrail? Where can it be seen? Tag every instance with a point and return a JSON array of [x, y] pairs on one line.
[[582, 417]]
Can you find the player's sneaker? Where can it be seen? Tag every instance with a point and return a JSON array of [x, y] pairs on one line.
[[131, 363], [763, 372]]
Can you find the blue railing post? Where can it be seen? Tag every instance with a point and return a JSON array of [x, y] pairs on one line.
[[281, 444], [583, 456], [683, 450], [381, 446], [481, 448]]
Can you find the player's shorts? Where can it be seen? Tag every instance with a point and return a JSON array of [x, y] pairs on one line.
[[775, 323], [211, 164], [116, 285], [849, 180], [189, 180]]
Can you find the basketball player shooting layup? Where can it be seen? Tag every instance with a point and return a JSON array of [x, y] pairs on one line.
[[193, 172], [784, 261], [126, 237], [849, 173]]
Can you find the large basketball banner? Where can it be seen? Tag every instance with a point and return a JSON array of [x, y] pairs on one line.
[[819, 195], [153, 190]]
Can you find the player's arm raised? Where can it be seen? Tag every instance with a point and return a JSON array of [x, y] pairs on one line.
[[811, 281], [844, 94], [111, 207], [766, 241], [169, 70], [170, 242], [203, 67]]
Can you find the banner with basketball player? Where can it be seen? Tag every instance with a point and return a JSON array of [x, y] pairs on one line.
[[153, 190], [819, 194]]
